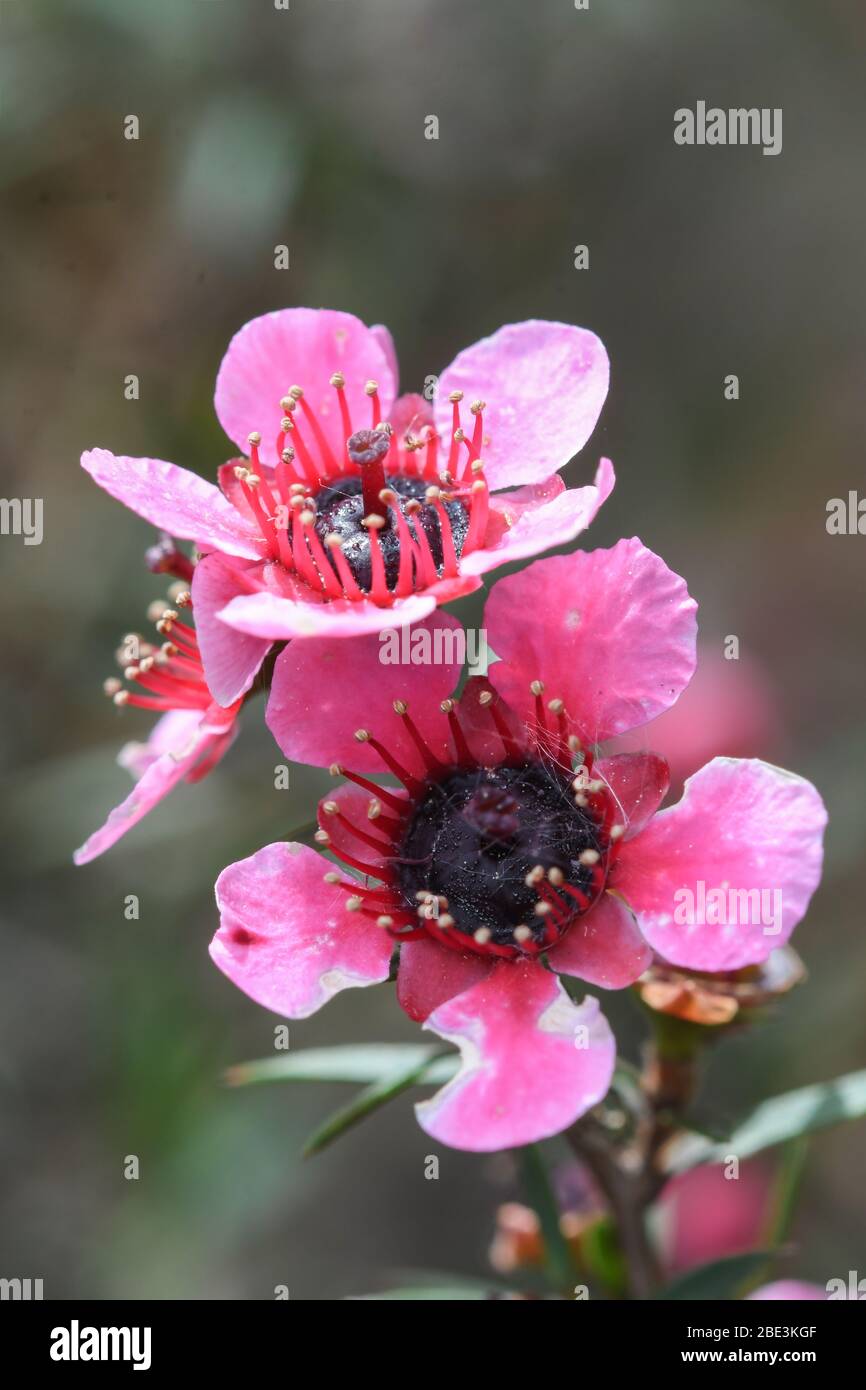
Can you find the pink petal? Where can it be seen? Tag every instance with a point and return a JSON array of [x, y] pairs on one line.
[[300, 347], [532, 1061], [704, 1215], [639, 784], [230, 487], [279, 618], [231, 659], [741, 825], [386, 343], [285, 937], [430, 974], [155, 783], [514, 502], [170, 733], [482, 733], [612, 633], [323, 690], [544, 384], [788, 1291], [411, 413], [175, 500], [538, 525], [447, 590], [603, 947]]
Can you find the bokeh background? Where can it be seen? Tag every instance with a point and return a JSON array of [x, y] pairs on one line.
[[306, 127]]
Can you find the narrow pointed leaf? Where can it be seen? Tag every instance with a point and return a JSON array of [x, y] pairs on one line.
[[718, 1280], [365, 1102], [365, 1064], [785, 1117]]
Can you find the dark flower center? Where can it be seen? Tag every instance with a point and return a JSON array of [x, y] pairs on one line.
[[504, 857], [341, 511]]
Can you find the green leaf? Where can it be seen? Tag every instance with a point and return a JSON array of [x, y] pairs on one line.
[[805, 1111], [786, 1187], [719, 1279], [365, 1102], [559, 1266], [365, 1064], [601, 1251]]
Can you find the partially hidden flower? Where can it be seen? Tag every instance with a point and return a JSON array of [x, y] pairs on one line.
[[729, 709], [703, 1215], [789, 1291], [512, 851], [356, 510], [192, 732], [718, 999]]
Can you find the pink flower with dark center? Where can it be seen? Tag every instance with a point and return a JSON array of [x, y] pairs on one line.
[[192, 733], [511, 851], [356, 511]]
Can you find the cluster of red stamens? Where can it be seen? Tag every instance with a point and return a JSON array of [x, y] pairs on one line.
[[284, 501], [169, 674], [581, 810]]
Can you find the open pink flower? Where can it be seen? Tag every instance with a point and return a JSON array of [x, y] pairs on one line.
[[191, 735], [358, 511], [509, 842]]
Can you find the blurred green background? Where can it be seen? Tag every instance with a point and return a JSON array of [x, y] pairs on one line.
[[306, 127]]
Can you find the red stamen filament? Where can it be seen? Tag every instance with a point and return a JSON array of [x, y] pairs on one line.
[[479, 497], [430, 761], [378, 583], [395, 802]]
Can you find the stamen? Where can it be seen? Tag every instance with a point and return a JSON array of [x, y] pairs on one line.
[[383, 793], [461, 747], [303, 559], [330, 465], [378, 582], [423, 553], [347, 579], [479, 497], [412, 784], [487, 700], [338, 381], [449, 557], [432, 452], [403, 586], [326, 574], [431, 762], [455, 398], [372, 390], [372, 840], [308, 466]]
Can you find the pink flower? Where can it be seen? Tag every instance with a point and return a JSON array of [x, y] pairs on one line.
[[357, 511], [789, 1291], [728, 709], [703, 1215], [509, 840], [187, 741]]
